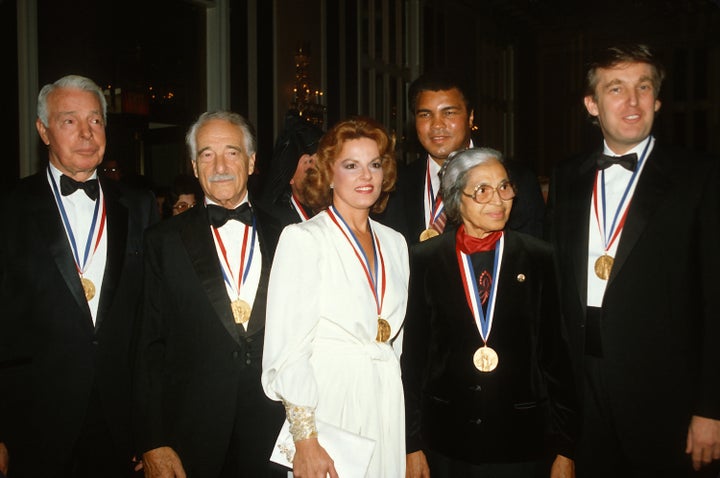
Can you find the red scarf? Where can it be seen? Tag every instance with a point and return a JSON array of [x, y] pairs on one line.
[[470, 245]]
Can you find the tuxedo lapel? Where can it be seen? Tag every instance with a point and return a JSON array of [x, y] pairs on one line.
[[50, 229], [578, 211], [652, 187], [414, 198], [116, 235], [257, 317], [197, 239]]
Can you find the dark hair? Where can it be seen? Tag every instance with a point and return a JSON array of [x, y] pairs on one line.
[[316, 187], [185, 184], [299, 137], [438, 81], [615, 55]]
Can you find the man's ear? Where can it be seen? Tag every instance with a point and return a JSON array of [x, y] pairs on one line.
[[42, 131], [251, 164], [591, 105]]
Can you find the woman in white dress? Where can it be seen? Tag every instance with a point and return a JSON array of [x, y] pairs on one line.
[[336, 303]]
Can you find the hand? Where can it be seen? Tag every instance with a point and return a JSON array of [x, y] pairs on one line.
[[4, 459], [416, 465], [562, 467], [138, 463], [703, 441], [312, 461], [162, 462]]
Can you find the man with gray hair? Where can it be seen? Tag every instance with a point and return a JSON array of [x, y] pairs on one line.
[[201, 410], [70, 274]]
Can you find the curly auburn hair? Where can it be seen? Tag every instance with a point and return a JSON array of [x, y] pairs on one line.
[[316, 187]]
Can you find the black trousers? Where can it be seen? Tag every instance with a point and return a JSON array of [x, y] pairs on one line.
[[600, 451]]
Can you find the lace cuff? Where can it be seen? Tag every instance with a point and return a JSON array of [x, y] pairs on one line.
[[302, 421]]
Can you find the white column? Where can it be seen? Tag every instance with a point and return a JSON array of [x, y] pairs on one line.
[[218, 55]]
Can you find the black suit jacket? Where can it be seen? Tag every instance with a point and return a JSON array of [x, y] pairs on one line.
[[523, 407], [196, 367], [660, 327], [51, 355], [405, 210]]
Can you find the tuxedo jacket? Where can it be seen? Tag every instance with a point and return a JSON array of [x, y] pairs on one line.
[[660, 325], [52, 357], [524, 407], [196, 368], [405, 211]]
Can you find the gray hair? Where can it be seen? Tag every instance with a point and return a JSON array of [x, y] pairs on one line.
[[232, 118], [453, 176], [73, 82]]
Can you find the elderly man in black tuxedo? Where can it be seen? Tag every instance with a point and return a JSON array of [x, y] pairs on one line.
[[635, 228], [201, 411], [444, 117], [70, 275]]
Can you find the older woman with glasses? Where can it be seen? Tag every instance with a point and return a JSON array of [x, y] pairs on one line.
[[488, 384]]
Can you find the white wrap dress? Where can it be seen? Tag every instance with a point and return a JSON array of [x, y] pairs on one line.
[[320, 339]]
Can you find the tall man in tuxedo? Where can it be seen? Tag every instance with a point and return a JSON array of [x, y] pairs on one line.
[[201, 411], [70, 274], [443, 113], [636, 246]]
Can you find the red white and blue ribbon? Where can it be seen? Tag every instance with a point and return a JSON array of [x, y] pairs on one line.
[[376, 280], [483, 320], [246, 257], [94, 234], [433, 201], [299, 208], [609, 236]]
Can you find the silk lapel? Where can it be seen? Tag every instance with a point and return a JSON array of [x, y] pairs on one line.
[[116, 235], [575, 235], [49, 224], [649, 193], [257, 318], [415, 197], [197, 238]]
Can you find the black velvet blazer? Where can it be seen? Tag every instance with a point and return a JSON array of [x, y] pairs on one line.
[[523, 408]]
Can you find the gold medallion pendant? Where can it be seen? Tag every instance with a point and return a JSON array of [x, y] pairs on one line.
[[485, 359], [603, 266], [383, 332], [428, 233], [88, 288], [241, 311]]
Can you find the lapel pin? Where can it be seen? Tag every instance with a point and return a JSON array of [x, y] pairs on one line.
[[521, 277]]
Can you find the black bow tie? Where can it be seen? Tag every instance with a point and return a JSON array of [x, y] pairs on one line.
[[219, 215], [628, 161], [68, 186]]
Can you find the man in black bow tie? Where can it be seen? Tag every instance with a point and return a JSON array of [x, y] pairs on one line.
[[201, 410], [70, 275], [636, 236]]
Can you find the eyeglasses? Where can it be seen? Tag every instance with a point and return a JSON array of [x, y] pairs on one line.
[[183, 206], [483, 193]]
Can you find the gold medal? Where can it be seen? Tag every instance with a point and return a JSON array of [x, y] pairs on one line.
[[240, 311], [485, 359], [88, 288], [383, 332], [428, 233], [603, 266]]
